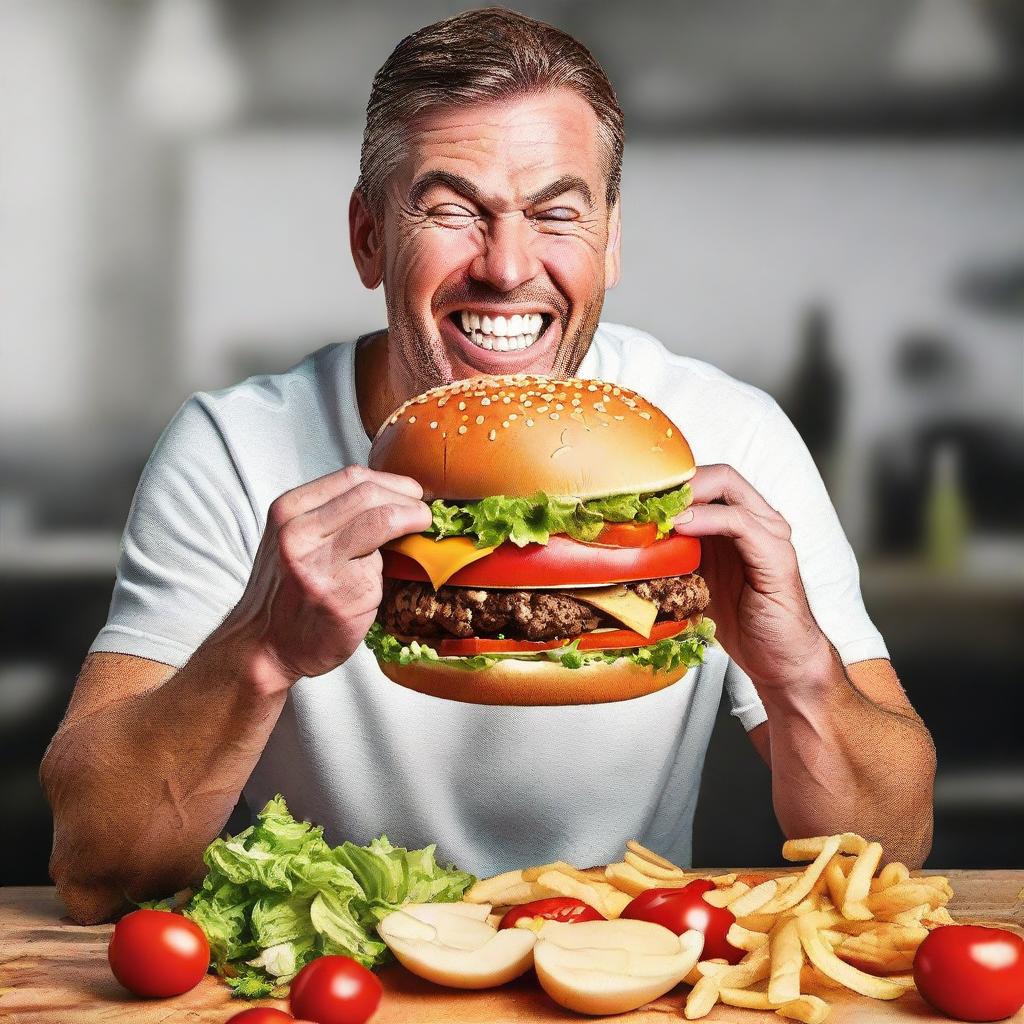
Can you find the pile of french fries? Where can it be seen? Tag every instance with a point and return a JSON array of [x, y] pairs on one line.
[[839, 923]]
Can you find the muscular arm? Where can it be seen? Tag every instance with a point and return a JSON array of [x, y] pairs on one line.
[[146, 768], [853, 756]]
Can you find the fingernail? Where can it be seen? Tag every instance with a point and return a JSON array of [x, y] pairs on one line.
[[685, 517]]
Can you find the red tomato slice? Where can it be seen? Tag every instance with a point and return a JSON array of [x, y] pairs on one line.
[[562, 562], [554, 908], [627, 535], [609, 639]]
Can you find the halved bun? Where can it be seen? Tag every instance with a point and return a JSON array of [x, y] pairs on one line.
[[520, 434], [532, 683]]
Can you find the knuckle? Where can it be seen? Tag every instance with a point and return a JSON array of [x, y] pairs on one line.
[[353, 475], [289, 548], [279, 512], [368, 492]]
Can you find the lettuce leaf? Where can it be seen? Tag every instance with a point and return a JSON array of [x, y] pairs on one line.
[[277, 895], [494, 520], [687, 648]]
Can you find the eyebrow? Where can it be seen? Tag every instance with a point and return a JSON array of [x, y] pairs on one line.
[[457, 183]]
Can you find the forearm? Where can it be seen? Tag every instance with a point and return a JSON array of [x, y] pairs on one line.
[[140, 787], [841, 763]]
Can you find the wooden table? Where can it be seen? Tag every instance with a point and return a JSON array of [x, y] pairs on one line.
[[55, 972]]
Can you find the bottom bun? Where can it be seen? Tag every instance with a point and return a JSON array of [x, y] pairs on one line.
[[532, 683]]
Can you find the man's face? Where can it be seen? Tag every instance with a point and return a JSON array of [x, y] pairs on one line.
[[498, 243]]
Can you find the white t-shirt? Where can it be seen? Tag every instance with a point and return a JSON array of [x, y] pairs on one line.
[[494, 787]]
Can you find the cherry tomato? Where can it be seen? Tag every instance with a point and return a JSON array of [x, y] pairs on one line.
[[554, 908], [679, 910], [606, 640], [157, 953], [262, 1015], [562, 562], [335, 990], [971, 973]]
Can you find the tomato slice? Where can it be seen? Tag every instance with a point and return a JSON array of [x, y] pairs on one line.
[[554, 908], [562, 562], [610, 639], [627, 535]]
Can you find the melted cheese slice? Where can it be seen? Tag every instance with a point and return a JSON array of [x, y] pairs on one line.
[[441, 559], [620, 603]]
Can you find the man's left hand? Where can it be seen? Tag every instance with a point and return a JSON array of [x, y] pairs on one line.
[[758, 600]]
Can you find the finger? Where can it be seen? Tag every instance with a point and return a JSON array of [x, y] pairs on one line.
[[758, 546], [315, 493], [373, 528], [722, 483], [333, 515]]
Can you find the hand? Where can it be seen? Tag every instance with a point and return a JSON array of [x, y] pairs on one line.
[[316, 581], [758, 600]]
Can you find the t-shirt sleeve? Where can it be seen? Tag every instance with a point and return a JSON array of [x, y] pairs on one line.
[[780, 467], [185, 552]]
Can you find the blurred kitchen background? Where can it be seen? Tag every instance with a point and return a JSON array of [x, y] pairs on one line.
[[824, 198]]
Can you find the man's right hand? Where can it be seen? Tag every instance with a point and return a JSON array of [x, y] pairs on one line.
[[316, 581]]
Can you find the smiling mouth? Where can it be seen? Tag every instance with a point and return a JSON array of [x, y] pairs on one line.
[[500, 333]]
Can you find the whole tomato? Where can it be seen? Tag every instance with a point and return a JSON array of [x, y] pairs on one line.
[[971, 973], [335, 990], [679, 910], [554, 908], [157, 953], [262, 1015]]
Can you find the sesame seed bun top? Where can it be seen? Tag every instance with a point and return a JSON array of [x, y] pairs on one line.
[[520, 434]]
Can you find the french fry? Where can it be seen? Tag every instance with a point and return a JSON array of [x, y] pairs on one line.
[[752, 901], [723, 897], [745, 998], [656, 859], [757, 922], [745, 938], [810, 849], [702, 998], [786, 960], [828, 963], [645, 867], [912, 916], [903, 896], [812, 979], [938, 916], [809, 1009], [858, 883], [805, 882], [568, 885], [616, 902], [507, 890], [754, 967], [892, 874], [533, 874]]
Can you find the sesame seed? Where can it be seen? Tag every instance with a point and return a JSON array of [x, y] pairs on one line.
[[485, 400], [507, 400], [616, 391], [441, 402], [412, 419], [668, 433], [645, 415], [505, 424], [462, 405], [591, 387], [575, 401], [433, 424], [559, 406], [527, 403], [513, 416], [543, 408], [529, 422], [462, 429], [492, 435], [606, 388], [465, 416], [620, 417], [479, 419], [599, 406], [554, 415]]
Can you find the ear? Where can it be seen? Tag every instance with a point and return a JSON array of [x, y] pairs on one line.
[[364, 237], [611, 255]]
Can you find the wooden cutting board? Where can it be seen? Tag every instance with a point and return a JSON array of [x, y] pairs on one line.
[[56, 972]]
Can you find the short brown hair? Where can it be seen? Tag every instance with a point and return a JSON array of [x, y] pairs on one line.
[[473, 57]]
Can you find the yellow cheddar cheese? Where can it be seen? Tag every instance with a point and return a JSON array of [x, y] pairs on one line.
[[441, 559], [620, 603]]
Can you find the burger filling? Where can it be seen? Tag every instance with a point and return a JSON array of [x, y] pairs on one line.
[[416, 610]]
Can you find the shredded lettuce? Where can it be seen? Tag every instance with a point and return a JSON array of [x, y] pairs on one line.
[[277, 895], [687, 648], [492, 521]]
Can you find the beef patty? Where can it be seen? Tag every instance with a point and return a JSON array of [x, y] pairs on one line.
[[416, 609]]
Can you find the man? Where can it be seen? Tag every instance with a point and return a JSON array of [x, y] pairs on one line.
[[232, 658]]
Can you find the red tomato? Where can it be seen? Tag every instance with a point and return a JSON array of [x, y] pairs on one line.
[[627, 535], [555, 908], [606, 640], [679, 910], [262, 1015], [335, 990], [157, 953], [971, 973], [562, 562]]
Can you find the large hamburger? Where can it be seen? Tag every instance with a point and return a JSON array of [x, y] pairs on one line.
[[551, 573]]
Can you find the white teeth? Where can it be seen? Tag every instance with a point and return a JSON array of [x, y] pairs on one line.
[[502, 334]]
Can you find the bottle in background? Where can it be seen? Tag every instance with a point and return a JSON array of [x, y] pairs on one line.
[[946, 517]]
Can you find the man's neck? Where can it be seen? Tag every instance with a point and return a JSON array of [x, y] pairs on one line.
[[375, 392]]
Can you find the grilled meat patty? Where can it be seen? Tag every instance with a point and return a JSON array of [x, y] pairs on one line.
[[416, 609]]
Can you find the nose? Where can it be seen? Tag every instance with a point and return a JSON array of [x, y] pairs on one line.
[[507, 259]]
